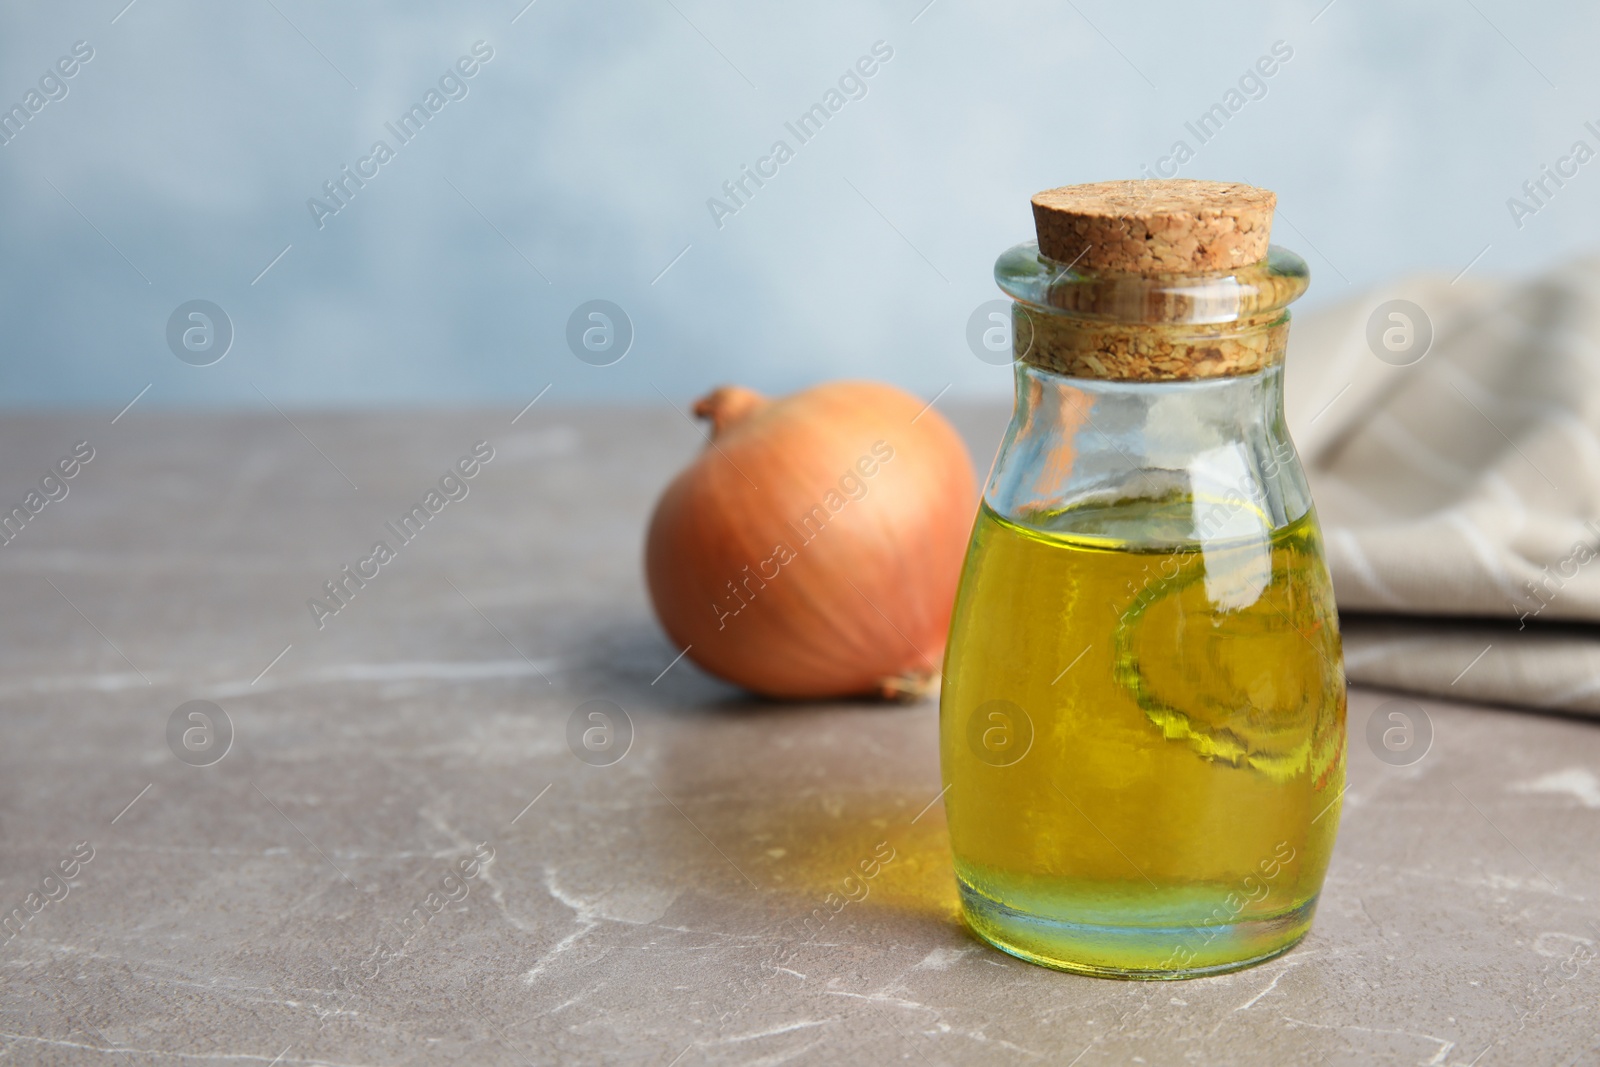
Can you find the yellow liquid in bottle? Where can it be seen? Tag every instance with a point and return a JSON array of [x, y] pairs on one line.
[[1144, 748]]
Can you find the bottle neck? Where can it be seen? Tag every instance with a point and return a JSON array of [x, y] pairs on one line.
[[1084, 347], [1156, 327], [1149, 462]]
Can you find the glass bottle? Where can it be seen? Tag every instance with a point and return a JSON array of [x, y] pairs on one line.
[[1142, 722]]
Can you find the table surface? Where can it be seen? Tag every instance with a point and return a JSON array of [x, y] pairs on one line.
[[289, 902]]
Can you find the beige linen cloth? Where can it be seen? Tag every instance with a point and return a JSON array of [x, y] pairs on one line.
[[1460, 494]]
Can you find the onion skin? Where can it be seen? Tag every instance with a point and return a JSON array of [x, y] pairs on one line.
[[854, 601]]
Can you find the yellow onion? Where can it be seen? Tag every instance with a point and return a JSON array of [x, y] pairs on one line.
[[813, 548]]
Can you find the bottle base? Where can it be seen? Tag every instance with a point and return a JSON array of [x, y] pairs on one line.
[[1138, 953]]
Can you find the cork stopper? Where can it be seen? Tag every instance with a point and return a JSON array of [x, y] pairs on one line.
[[1163, 226]]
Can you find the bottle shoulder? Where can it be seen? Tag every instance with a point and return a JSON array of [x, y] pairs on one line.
[[1143, 464]]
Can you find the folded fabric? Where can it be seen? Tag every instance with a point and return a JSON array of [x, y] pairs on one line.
[[1447, 428]]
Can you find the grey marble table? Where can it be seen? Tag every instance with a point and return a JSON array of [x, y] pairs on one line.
[[323, 892]]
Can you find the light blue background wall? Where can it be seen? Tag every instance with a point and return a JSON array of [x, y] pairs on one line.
[[592, 140]]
